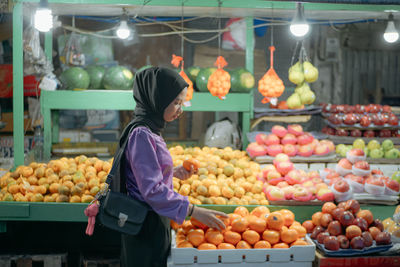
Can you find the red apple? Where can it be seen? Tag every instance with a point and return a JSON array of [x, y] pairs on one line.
[[305, 139], [328, 130], [357, 243], [341, 186], [378, 119], [363, 165], [342, 132], [334, 228], [355, 133], [340, 108], [374, 181], [356, 152], [393, 185], [393, 120], [357, 179], [343, 241], [349, 119], [369, 133], [383, 238], [360, 109], [346, 219], [378, 224], [331, 243], [385, 133], [386, 109], [365, 121], [368, 240], [321, 237], [335, 119], [360, 222], [352, 205], [345, 164], [316, 231], [326, 219], [336, 213]]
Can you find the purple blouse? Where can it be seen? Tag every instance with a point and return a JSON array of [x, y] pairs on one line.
[[149, 174]]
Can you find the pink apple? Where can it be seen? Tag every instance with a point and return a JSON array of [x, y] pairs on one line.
[[314, 144], [305, 151], [321, 150], [345, 164], [272, 139], [393, 185], [293, 177], [288, 192], [289, 139], [320, 186], [357, 179], [261, 138], [316, 180], [302, 194], [329, 143], [375, 181], [256, 150], [284, 167], [282, 184], [274, 150], [341, 186], [281, 157], [295, 129], [274, 177], [290, 150], [267, 169], [325, 194], [305, 139], [307, 183], [363, 165], [275, 194], [313, 174], [356, 152], [280, 131]]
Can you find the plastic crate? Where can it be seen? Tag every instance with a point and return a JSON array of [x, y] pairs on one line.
[[295, 256], [6, 83]]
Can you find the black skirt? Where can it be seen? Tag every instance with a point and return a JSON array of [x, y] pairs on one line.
[[149, 248]]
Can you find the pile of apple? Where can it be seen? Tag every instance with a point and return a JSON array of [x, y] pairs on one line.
[[283, 182], [292, 141], [374, 149], [359, 133], [346, 226], [353, 175]]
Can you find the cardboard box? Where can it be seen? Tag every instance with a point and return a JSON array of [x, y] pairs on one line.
[[7, 118]]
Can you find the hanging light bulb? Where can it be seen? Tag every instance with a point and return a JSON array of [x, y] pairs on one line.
[[43, 18], [123, 31], [299, 26], [391, 35]]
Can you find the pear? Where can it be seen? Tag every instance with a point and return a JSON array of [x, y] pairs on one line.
[[310, 72], [302, 88], [296, 75], [294, 101], [307, 97]]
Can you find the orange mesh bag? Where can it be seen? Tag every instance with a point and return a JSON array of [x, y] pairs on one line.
[[270, 85], [176, 60], [219, 82]]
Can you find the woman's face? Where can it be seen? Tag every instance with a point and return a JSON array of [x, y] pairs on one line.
[[174, 109]]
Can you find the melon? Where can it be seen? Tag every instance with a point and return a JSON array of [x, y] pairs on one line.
[[202, 78], [119, 78], [75, 77], [242, 81], [96, 74]]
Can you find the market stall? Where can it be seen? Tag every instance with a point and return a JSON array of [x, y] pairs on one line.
[[281, 182]]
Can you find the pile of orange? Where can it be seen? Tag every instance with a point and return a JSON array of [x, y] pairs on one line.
[[257, 229], [224, 176], [74, 180]]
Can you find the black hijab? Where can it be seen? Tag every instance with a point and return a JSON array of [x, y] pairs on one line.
[[154, 89]]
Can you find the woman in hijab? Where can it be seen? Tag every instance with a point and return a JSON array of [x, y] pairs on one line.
[[159, 94]]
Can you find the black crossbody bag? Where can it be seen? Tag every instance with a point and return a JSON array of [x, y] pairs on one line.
[[117, 210]]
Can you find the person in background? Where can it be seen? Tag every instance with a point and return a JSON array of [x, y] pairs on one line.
[[159, 94]]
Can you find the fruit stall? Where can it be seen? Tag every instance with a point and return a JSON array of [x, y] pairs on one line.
[[294, 198]]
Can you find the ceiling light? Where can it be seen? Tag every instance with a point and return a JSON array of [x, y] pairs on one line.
[[43, 18], [391, 35], [123, 31], [299, 26]]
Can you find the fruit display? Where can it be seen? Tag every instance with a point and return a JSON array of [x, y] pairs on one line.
[[392, 225], [258, 229], [72, 180], [359, 116], [384, 133], [373, 150], [353, 174], [224, 176], [346, 226], [301, 74], [283, 182], [292, 141]]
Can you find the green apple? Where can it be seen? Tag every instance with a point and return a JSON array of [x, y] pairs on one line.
[[359, 143], [339, 148], [387, 145], [366, 152], [396, 176], [376, 153], [392, 153], [373, 144], [345, 150]]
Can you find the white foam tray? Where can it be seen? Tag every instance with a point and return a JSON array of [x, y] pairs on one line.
[[294, 256]]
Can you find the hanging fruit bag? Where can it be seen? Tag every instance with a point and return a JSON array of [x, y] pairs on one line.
[[176, 60], [219, 82], [270, 85]]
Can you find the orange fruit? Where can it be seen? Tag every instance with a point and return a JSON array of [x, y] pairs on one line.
[[284, 228], [243, 245], [233, 216], [275, 221], [251, 218], [262, 244], [295, 223], [214, 237], [301, 231], [187, 226], [280, 245], [239, 225], [251, 237], [289, 236], [196, 237], [299, 242], [271, 236], [258, 225], [226, 246], [260, 210], [174, 225], [242, 211], [206, 246], [232, 237], [184, 244], [288, 217], [198, 224], [328, 207], [180, 237], [316, 217]]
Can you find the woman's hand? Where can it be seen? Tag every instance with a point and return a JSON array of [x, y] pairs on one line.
[[209, 217], [181, 173]]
